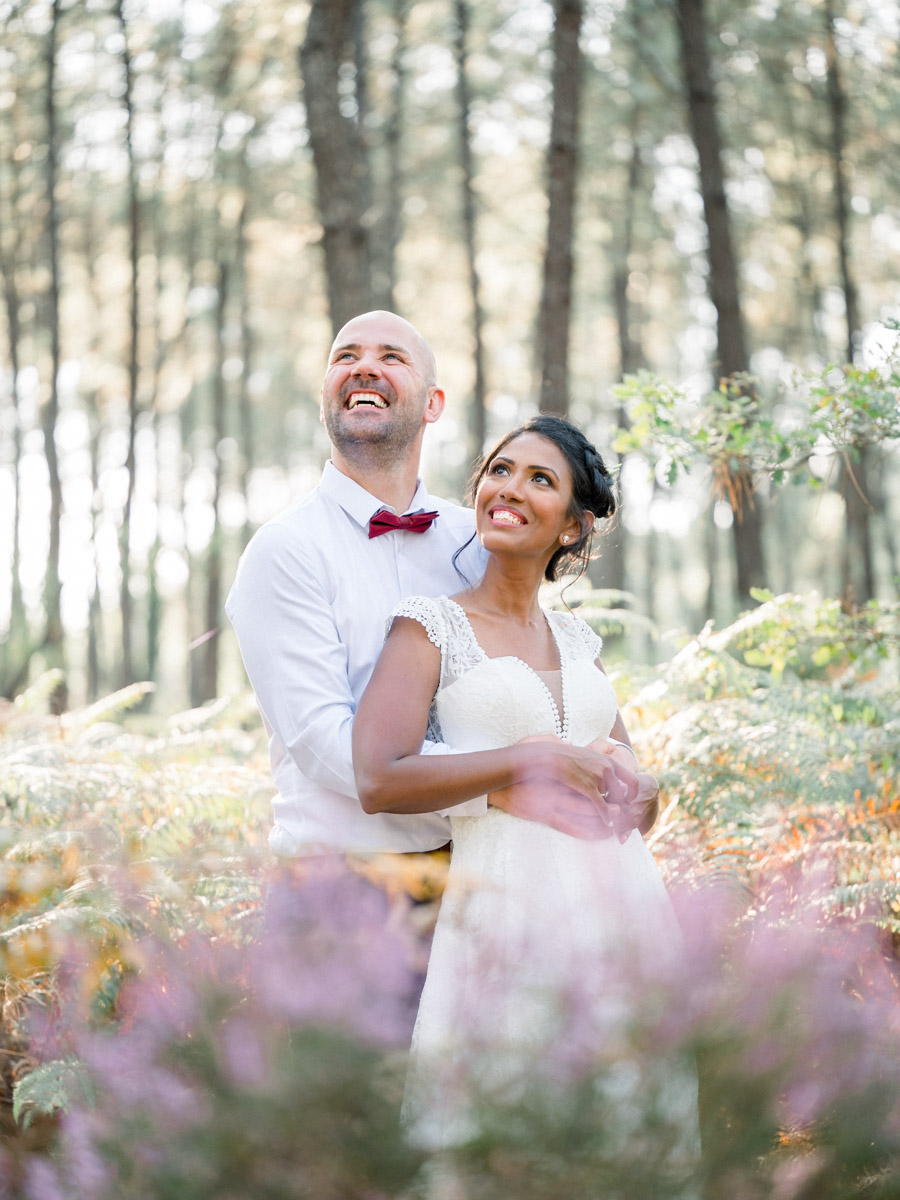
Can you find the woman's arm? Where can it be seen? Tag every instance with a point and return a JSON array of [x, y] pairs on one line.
[[390, 725]]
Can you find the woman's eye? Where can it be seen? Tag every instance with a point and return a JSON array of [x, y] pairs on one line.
[[539, 475], [498, 469]]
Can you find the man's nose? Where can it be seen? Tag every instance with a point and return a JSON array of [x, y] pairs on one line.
[[367, 364]]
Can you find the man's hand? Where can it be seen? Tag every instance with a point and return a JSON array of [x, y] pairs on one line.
[[556, 806], [577, 790]]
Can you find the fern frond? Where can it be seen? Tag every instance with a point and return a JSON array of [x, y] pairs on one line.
[[108, 707]]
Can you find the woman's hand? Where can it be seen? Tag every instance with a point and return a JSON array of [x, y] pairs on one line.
[[642, 806]]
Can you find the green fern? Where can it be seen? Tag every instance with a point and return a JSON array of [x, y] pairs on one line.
[[51, 1088]]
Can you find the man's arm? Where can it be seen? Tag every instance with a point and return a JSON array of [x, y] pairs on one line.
[[297, 663], [294, 657]]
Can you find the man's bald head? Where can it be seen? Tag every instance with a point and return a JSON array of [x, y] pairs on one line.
[[390, 329]]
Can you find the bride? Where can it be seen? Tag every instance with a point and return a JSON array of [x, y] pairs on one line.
[[531, 917]]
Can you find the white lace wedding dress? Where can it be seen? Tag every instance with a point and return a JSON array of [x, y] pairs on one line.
[[540, 935]]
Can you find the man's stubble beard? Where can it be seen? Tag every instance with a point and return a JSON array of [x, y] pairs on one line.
[[382, 445]]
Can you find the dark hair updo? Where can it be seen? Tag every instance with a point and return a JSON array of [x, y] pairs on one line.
[[593, 489]]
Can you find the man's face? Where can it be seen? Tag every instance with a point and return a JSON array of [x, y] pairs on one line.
[[379, 388]]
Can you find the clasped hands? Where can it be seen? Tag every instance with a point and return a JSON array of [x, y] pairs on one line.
[[589, 792]]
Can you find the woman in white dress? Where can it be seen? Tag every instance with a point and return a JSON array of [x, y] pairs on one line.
[[535, 926]]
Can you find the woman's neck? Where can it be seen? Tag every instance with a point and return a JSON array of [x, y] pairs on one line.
[[507, 590]]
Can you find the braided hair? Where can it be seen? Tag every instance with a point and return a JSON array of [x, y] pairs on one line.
[[593, 489]]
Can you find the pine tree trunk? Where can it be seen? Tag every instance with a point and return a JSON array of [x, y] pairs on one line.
[[723, 270], [341, 161], [386, 274], [210, 647], [15, 643], [477, 415], [857, 565], [126, 606], [244, 404], [562, 173], [54, 643]]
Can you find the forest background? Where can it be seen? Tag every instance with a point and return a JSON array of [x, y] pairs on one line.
[[561, 196], [674, 220]]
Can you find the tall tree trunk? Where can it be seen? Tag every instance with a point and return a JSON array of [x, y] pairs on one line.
[[386, 266], [210, 647], [477, 417], [857, 565], [54, 644], [127, 667], [562, 173], [94, 665], [15, 644], [631, 354], [723, 270], [610, 570], [341, 161], [155, 603], [244, 404]]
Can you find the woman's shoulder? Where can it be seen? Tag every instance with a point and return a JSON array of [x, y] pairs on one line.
[[429, 611]]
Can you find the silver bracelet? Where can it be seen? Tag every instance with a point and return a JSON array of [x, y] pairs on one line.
[[624, 745]]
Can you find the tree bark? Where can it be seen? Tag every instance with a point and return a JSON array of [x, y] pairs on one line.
[[562, 173], [245, 407], [210, 647], [723, 269], [17, 637], [385, 284], [126, 606], [341, 161], [477, 415], [857, 563], [54, 639]]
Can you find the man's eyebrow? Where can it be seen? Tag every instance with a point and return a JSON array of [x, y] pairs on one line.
[[531, 466], [384, 346]]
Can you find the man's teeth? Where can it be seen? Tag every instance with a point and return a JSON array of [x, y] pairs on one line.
[[367, 398], [506, 517]]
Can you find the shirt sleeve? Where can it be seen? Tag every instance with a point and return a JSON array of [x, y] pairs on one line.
[[294, 657], [297, 664]]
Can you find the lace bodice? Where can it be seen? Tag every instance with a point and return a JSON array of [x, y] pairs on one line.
[[473, 707]]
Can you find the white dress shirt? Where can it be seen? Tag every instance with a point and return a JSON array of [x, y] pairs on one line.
[[309, 606]]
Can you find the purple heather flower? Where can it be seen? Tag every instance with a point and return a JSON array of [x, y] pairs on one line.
[[242, 1053], [42, 1181]]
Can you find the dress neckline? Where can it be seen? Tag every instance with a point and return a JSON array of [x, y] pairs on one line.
[[561, 719]]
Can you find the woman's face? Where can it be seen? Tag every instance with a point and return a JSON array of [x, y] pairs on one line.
[[523, 501]]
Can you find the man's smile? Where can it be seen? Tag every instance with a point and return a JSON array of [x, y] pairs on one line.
[[374, 399]]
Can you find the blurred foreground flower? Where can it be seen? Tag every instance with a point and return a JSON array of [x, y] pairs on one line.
[[277, 1070]]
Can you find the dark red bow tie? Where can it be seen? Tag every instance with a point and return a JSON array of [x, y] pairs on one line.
[[384, 521]]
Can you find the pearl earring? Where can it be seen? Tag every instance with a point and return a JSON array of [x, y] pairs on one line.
[[565, 539]]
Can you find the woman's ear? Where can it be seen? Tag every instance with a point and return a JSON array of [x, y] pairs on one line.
[[575, 529]]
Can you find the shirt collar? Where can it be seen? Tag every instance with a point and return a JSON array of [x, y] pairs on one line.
[[356, 502]]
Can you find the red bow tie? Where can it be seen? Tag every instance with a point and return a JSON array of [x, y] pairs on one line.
[[384, 521]]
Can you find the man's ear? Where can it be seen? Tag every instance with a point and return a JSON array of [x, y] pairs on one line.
[[321, 407], [434, 405]]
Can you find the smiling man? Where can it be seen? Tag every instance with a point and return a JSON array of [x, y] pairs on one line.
[[315, 587]]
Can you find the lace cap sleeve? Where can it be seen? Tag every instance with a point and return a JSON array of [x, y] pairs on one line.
[[430, 616], [580, 638], [426, 611]]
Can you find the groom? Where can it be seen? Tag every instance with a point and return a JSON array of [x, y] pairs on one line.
[[314, 588]]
